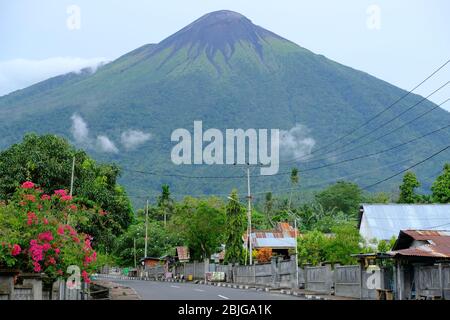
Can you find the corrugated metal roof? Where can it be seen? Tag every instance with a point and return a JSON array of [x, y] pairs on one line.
[[436, 244], [280, 238], [383, 221]]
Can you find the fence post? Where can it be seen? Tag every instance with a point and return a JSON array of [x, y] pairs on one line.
[[273, 268], [441, 281], [294, 272]]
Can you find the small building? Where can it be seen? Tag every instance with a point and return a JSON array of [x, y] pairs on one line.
[[149, 262], [422, 260], [384, 221], [280, 240]]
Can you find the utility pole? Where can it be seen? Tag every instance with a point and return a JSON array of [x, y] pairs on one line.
[[249, 227], [73, 176], [146, 230], [134, 245]]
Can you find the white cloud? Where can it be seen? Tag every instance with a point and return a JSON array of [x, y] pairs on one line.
[[296, 142], [17, 74], [80, 131], [131, 139], [106, 145]]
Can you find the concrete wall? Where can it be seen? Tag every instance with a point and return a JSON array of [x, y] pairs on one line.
[[319, 279], [347, 281]]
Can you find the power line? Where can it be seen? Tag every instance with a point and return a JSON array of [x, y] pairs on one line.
[[389, 132], [383, 111], [372, 154], [303, 170], [332, 152], [407, 169], [389, 121]]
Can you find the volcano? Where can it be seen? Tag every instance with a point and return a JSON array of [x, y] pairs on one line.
[[229, 73]]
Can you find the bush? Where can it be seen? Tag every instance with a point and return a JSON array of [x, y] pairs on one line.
[[38, 233]]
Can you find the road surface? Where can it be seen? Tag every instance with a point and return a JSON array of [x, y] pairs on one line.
[[155, 290]]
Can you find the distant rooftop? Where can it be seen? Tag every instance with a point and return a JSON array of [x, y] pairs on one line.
[[384, 221], [282, 237]]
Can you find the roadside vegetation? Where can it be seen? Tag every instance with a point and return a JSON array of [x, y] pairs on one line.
[[44, 229]]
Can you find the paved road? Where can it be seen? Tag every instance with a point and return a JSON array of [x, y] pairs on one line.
[[155, 290]]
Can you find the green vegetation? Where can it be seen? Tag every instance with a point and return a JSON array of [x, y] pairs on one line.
[[327, 221], [235, 228], [47, 161], [441, 187], [407, 189]]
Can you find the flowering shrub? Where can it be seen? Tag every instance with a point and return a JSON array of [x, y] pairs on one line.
[[264, 255], [38, 233]]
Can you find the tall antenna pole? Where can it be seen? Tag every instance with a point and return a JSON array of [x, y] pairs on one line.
[[73, 176], [134, 245], [146, 230]]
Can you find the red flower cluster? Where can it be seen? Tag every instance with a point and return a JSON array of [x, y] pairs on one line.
[[16, 250], [32, 218], [27, 185]]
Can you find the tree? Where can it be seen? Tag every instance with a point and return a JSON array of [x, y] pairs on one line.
[[165, 203], [407, 188], [342, 196], [344, 242], [316, 247], [201, 224], [160, 242], [268, 207], [311, 248], [47, 161], [441, 187], [235, 228]]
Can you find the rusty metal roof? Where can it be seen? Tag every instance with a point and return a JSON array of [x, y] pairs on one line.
[[283, 237], [423, 243]]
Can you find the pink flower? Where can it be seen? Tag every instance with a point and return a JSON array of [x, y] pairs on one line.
[[45, 220], [57, 250], [61, 192], [36, 252], [16, 250], [32, 218], [45, 197], [66, 198], [46, 236], [85, 276], [27, 185], [46, 246], [60, 230], [52, 261], [60, 272], [37, 267]]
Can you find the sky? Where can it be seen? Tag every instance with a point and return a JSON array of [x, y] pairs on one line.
[[400, 41]]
